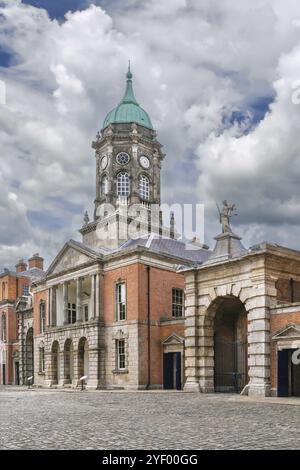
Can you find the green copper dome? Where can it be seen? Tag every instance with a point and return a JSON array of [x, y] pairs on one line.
[[128, 110]]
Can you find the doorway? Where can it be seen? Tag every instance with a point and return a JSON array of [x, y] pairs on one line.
[[172, 371], [230, 347], [288, 374]]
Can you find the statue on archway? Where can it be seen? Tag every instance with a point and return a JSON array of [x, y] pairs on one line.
[[228, 210]]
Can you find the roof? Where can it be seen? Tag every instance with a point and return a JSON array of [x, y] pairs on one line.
[[32, 273], [128, 110], [171, 247]]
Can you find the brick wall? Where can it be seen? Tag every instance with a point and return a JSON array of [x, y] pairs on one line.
[[161, 284]]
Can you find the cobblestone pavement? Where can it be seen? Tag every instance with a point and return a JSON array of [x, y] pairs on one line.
[[54, 419]]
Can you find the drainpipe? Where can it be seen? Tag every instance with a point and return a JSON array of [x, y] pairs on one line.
[[148, 329]]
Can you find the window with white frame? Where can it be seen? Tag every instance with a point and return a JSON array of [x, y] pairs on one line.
[[42, 316], [120, 354], [123, 184], [3, 328], [177, 303], [121, 301], [71, 313], [42, 359], [26, 289], [144, 187]]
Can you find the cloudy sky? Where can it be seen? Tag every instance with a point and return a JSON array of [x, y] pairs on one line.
[[218, 78]]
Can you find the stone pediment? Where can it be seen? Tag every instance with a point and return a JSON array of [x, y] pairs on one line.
[[289, 332], [72, 255], [173, 339]]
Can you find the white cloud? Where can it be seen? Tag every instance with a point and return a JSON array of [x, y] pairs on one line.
[[194, 64]]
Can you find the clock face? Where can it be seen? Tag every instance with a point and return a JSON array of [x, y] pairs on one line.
[[145, 162], [122, 158], [103, 163]]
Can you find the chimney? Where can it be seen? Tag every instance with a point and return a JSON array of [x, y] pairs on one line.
[[36, 261], [21, 266]]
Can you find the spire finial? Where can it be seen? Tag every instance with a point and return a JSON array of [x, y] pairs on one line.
[[129, 74]]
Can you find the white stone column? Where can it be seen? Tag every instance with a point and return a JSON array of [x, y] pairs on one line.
[[79, 316], [65, 298], [54, 306], [92, 314], [259, 340], [97, 295], [101, 294], [206, 350], [50, 307], [191, 332]]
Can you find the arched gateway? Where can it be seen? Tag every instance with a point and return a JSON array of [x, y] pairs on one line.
[[227, 318]]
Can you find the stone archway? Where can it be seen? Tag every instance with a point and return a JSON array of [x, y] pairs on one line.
[[223, 348], [68, 362], [83, 357], [55, 362], [229, 344], [29, 356]]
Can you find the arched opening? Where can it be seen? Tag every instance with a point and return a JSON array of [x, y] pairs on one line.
[[68, 361], [144, 187], [83, 358], [55, 363], [123, 184], [29, 357], [230, 345]]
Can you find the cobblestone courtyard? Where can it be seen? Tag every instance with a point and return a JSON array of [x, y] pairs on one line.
[[49, 419]]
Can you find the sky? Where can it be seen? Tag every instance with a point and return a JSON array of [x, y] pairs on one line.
[[218, 78]]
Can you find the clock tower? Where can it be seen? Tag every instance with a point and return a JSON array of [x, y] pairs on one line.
[[128, 165]]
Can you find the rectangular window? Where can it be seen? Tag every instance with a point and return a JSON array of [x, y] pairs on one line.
[[42, 359], [177, 303], [71, 313], [120, 347], [3, 328], [26, 289], [86, 313], [121, 301], [42, 317]]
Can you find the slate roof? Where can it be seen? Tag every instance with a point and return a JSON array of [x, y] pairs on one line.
[[171, 247]]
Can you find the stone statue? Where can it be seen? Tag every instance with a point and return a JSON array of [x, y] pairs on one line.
[[86, 218], [228, 210]]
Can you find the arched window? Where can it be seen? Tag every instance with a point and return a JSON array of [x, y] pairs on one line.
[[42, 316], [104, 186], [144, 187], [123, 184], [3, 328]]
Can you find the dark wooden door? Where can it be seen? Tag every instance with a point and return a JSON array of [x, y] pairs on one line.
[[283, 373]]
